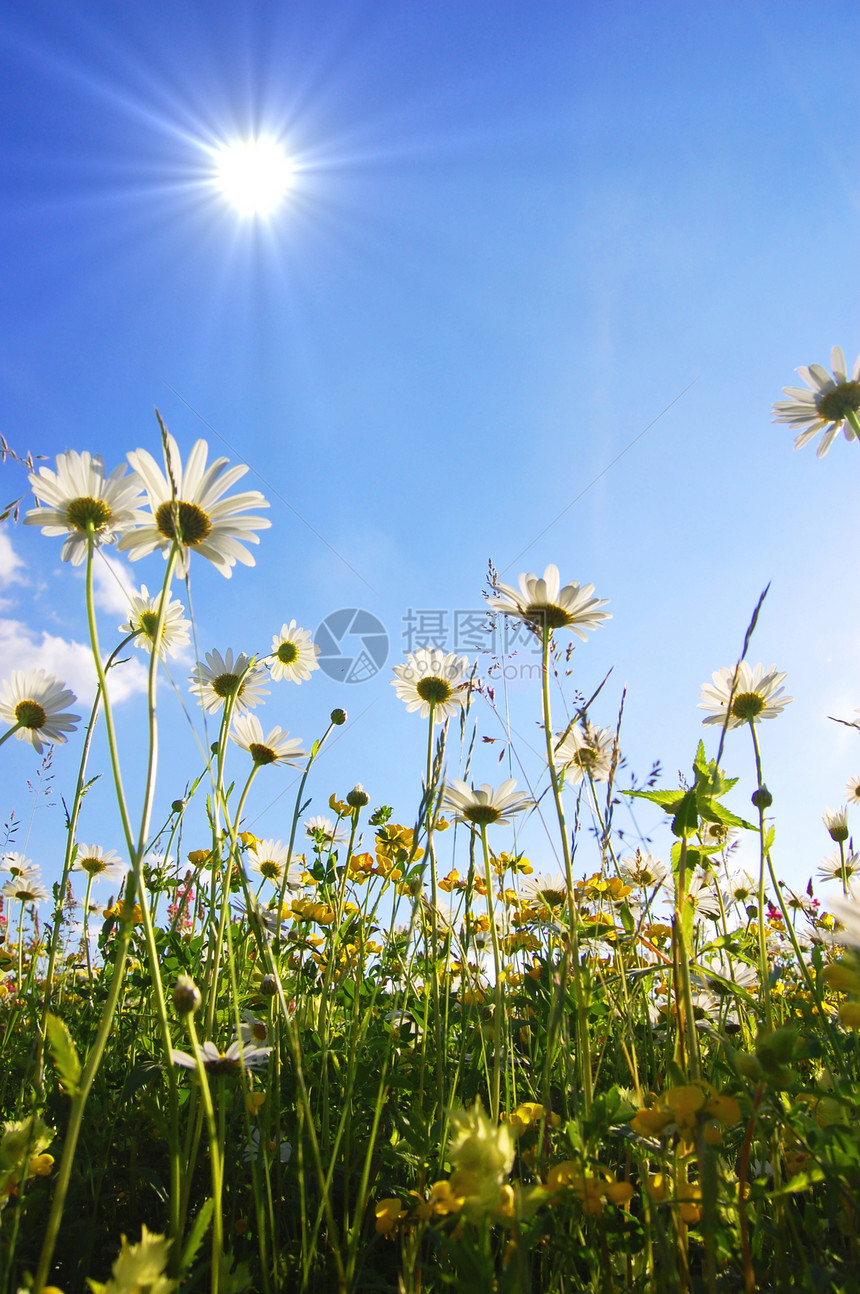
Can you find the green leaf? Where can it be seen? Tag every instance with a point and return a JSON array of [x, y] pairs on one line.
[[64, 1054], [198, 1230], [686, 819]]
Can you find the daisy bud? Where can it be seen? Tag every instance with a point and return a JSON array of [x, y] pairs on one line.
[[186, 995], [358, 797], [762, 798], [268, 986], [177, 806], [836, 822], [338, 717]]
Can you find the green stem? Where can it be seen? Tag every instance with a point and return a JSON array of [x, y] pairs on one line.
[[583, 1050], [764, 970], [495, 1091], [11, 732]]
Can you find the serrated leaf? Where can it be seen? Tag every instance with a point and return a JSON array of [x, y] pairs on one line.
[[64, 1054], [199, 1227], [686, 819]]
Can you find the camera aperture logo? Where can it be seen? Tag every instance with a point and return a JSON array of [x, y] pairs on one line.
[[352, 645]]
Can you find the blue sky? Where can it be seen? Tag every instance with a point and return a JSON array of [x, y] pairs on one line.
[[520, 235]]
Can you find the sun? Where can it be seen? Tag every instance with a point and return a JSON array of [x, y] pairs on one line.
[[253, 175]]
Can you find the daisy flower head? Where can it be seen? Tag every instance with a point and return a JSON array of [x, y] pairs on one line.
[[275, 748], [143, 621], [188, 509], [294, 654], [702, 895], [225, 678], [743, 694], [831, 403], [545, 606], [550, 891], [432, 677], [833, 868], [484, 805], [78, 500], [644, 871], [270, 859], [221, 1063], [324, 831], [18, 865], [836, 823], [99, 864], [34, 702], [25, 889], [852, 790], [587, 752]]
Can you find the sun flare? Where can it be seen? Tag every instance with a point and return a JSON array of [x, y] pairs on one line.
[[253, 175]]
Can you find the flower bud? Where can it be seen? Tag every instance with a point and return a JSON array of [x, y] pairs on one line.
[[177, 806], [186, 996], [268, 986], [357, 797], [762, 798], [836, 822], [338, 717]]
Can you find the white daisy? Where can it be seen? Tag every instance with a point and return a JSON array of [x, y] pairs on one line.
[[832, 868], [846, 909], [715, 835], [100, 864], [225, 676], [739, 887], [830, 403], [484, 805], [702, 895], [25, 889], [754, 694], [852, 790], [187, 507], [143, 621], [220, 1063], [542, 603], [17, 865], [78, 499], [253, 1030], [644, 871], [34, 703], [433, 677], [549, 891], [272, 749], [252, 1150], [269, 859], [587, 752], [324, 830], [294, 654]]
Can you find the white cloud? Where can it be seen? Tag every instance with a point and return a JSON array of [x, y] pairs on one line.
[[72, 662], [11, 565], [113, 584]]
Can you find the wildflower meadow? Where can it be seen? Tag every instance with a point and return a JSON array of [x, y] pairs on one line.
[[396, 1051]]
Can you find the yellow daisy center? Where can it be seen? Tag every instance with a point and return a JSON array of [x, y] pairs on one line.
[[747, 705], [836, 404], [434, 690], [227, 685], [149, 623], [270, 869], [481, 814], [547, 614], [261, 755], [91, 865], [88, 513], [287, 653], [186, 522], [30, 714]]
